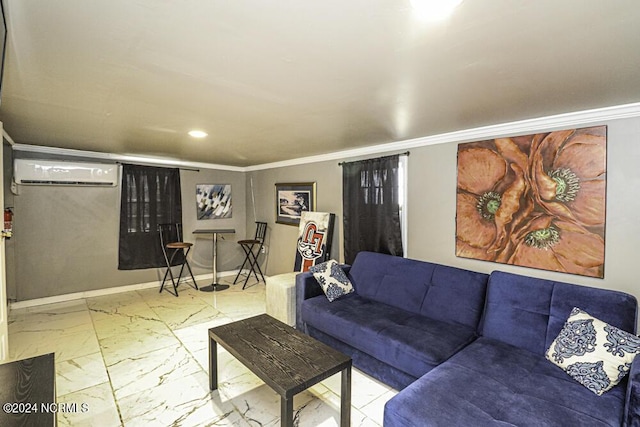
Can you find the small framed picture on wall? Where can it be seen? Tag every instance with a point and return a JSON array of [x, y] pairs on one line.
[[213, 201], [292, 199]]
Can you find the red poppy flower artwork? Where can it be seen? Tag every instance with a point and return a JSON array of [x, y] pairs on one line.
[[535, 201]]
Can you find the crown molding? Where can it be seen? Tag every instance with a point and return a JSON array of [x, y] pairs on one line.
[[8, 138], [522, 127], [123, 158]]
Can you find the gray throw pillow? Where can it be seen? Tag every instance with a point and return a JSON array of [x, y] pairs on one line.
[[592, 352], [332, 279]]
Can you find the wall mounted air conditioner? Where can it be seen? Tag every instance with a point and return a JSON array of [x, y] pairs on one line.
[[48, 172]]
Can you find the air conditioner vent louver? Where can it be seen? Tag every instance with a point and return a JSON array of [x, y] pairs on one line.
[[36, 182], [47, 172]]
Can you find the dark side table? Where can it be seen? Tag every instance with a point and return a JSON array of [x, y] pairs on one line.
[[28, 392], [287, 360]]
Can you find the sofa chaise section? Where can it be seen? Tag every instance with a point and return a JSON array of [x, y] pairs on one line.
[[503, 377]]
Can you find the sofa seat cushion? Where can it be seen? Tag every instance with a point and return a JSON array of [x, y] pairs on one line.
[[407, 341], [493, 383]]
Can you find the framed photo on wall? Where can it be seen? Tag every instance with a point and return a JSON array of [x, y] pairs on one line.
[[292, 199]]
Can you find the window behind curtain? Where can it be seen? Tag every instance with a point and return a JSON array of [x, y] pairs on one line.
[[371, 210], [150, 196]]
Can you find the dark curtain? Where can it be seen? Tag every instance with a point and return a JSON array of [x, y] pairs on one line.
[[150, 196], [371, 211]]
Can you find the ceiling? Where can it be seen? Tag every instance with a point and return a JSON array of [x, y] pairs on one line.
[[283, 79]]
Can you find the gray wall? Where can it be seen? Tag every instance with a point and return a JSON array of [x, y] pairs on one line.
[[66, 238], [432, 186], [230, 256], [432, 208], [281, 238]]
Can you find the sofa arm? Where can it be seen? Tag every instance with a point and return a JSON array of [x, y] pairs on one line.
[[308, 287], [632, 402]]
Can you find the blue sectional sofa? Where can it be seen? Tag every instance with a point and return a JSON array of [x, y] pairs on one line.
[[405, 318], [465, 348]]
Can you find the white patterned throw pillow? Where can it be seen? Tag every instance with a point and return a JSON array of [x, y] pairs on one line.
[[332, 279], [592, 352]]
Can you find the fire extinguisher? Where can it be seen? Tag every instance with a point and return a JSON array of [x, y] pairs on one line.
[[8, 223]]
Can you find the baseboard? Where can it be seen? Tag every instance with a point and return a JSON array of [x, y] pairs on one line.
[[101, 292]]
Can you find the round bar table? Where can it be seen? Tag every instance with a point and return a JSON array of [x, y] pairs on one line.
[[214, 255]]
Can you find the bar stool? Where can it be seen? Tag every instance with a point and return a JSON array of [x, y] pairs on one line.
[[251, 257], [171, 241]]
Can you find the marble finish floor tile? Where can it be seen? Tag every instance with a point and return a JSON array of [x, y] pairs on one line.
[[135, 342], [55, 309], [238, 306], [375, 409], [324, 410], [141, 358], [65, 346], [132, 325], [63, 328], [186, 295], [177, 317], [124, 313], [196, 337], [151, 370], [80, 373], [95, 407], [189, 403], [256, 401], [364, 389], [115, 300], [186, 310], [62, 318], [228, 366]]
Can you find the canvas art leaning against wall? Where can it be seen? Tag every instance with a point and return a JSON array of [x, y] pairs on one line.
[[315, 233], [535, 201]]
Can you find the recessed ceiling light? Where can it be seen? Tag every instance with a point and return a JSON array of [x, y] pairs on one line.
[[197, 133]]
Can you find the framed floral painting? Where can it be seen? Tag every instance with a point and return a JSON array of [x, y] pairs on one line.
[[535, 201]]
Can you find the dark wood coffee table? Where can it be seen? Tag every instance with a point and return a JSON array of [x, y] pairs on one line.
[[287, 360]]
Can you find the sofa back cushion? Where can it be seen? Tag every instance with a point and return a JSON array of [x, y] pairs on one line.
[[442, 293], [529, 313]]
